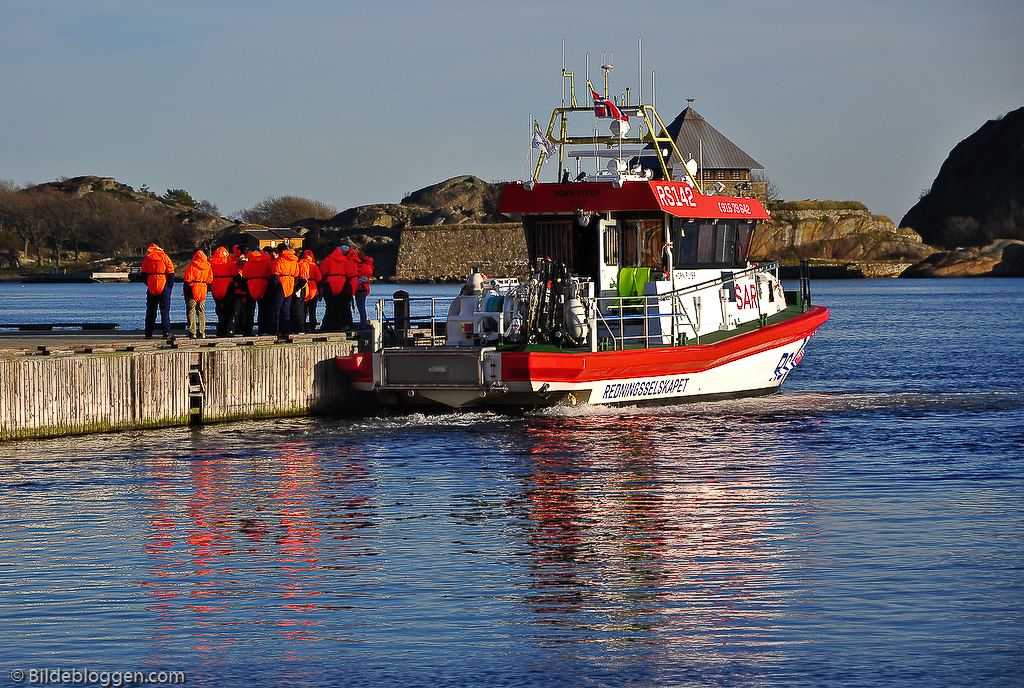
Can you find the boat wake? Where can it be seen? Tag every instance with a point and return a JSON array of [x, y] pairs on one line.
[[807, 404]]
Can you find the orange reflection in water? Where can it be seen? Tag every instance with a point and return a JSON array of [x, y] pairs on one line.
[[238, 541]]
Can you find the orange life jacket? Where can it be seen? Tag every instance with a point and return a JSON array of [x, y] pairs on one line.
[[286, 267], [309, 271], [257, 274], [365, 268], [225, 269], [335, 271], [156, 266], [198, 276], [352, 269]]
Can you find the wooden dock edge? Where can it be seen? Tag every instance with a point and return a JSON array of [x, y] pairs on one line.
[[50, 396]]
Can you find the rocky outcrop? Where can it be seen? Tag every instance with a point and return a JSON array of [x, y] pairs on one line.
[[1001, 258], [460, 200], [380, 229], [81, 186], [978, 195], [457, 201], [844, 235], [204, 224]]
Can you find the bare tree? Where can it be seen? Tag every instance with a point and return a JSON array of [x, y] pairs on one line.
[[208, 207], [111, 225], [282, 211], [60, 215], [7, 190], [771, 189], [19, 213]]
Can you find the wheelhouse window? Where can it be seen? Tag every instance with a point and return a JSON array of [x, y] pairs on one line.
[[564, 240], [611, 244], [642, 243], [550, 238], [709, 243]]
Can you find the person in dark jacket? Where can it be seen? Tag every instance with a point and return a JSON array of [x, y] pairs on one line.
[[334, 269], [365, 274], [306, 293], [225, 272], [257, 278], [284, 268]]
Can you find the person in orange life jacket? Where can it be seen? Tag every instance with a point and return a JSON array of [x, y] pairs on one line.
[[225, 269], [257, 278], [365, 272], [159, 271], [198, 277], [305, 296], [334, 271], [349, 290], [244, 305], [284, 268]]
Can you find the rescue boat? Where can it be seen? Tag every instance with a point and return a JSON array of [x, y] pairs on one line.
[[640, 290]]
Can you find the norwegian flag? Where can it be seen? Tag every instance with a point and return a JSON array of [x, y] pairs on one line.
[[606, 108]]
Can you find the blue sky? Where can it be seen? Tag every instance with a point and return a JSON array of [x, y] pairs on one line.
[[352, 103]]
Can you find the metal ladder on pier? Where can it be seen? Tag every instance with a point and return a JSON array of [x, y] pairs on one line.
[[196, 389]]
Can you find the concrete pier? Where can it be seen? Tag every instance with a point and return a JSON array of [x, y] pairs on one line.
[[70, 383]]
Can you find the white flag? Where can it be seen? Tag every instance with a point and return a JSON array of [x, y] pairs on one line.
[[540, 141]]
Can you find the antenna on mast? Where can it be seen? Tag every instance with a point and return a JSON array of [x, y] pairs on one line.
[[607, 67], [640, 70], [563, 72], [566, 74]]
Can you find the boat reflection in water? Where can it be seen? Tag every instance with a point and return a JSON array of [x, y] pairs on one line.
[[607, 539], [643, 530]]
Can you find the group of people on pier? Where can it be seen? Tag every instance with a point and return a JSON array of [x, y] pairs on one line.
[[266, 291]]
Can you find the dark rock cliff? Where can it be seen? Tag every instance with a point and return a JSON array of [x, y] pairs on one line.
[[978, 195]]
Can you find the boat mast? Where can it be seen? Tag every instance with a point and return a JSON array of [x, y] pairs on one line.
[[656, 132]]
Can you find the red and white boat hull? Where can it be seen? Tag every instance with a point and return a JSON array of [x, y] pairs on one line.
[[754, 363]]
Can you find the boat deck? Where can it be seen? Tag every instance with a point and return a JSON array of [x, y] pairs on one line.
[[788, 313]]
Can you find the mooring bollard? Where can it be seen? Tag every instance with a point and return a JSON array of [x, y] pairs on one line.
[[403, 321]]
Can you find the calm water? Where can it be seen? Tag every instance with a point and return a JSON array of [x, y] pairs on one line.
[[863, 527], [125, 303]]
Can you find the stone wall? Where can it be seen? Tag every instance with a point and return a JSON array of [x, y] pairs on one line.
[[867, 245], [449, 253]]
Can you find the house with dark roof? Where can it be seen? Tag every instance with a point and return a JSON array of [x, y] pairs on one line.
[[263, 237], [720, 161]]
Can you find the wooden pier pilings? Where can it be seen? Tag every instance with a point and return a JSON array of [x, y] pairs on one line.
[[72, 393]]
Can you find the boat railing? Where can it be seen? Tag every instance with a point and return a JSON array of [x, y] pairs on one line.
[[805, 284], [625, 322], [418, 320], [669, 318]]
